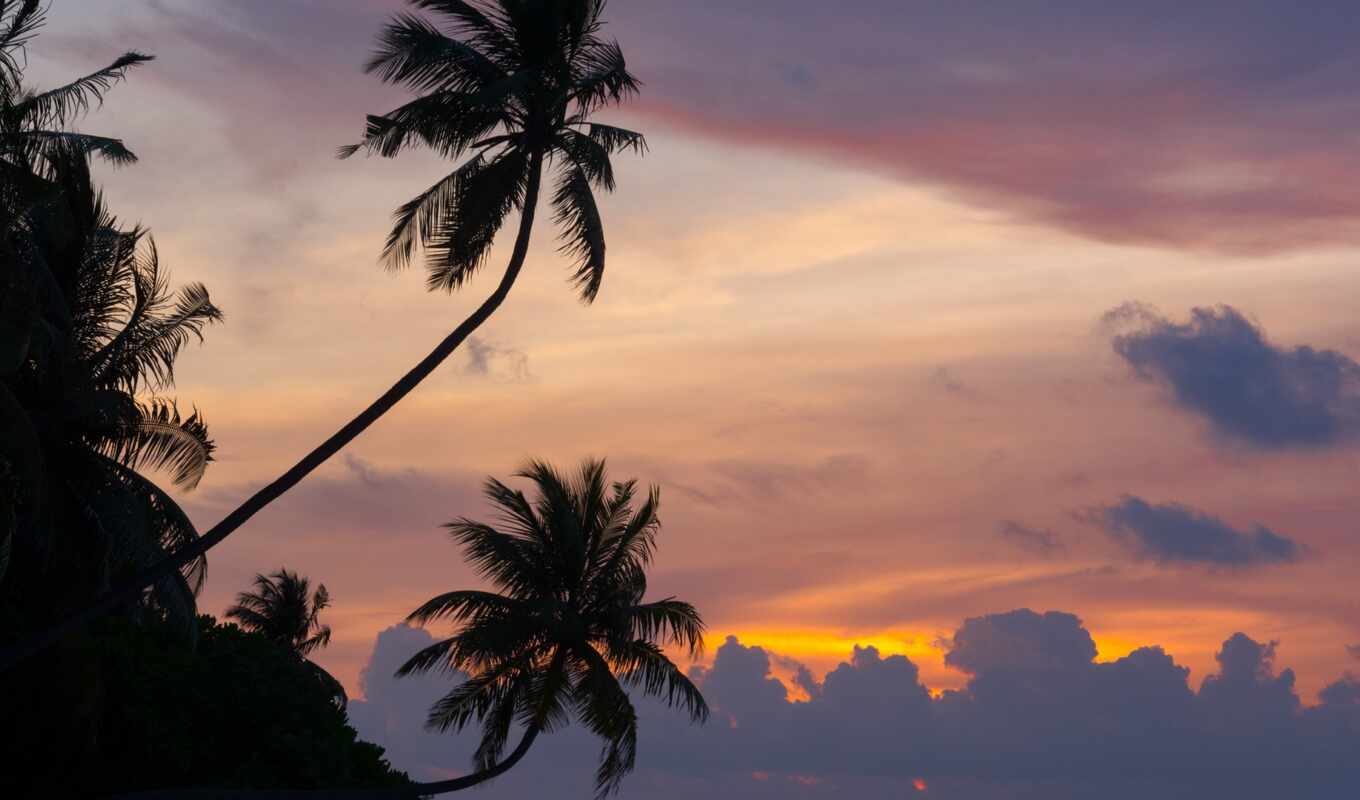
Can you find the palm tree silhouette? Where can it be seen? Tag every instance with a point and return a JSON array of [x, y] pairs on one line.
[[567, 629], [514, 83], [82, 405], [285, 611]]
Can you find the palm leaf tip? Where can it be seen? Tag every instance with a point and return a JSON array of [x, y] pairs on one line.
[[582, 231]]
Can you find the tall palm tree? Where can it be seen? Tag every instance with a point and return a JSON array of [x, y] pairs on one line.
[[285, 610], [567, 628], [512, 85]]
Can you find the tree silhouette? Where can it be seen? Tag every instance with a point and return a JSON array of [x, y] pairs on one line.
[[90, 331], [567, 629], [514, 83], [284, 610], [95, 330]]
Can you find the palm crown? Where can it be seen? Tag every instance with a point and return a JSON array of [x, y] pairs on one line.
[[567, 630], [512, 85], [285, 610]]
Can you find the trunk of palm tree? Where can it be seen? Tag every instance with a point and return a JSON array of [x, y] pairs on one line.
[[129, 590], [419, 790]]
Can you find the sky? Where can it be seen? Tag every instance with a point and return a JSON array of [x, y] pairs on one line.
[[979, 350]]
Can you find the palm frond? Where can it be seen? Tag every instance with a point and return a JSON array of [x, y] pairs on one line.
[[447, 122], [501, 558], [603, 707], [418, 218], [582, 231], [589, 155], [19, 26], [473, 698], [59, 106], [605, 78], [631, 550], [170, 524], [516, 513], [616, 140], [481, 200], [413, 52], [159, 437], [488, 30], [45, 142], [669, 621], [321, 638], [158, 327], [462, 606], [642, 664]]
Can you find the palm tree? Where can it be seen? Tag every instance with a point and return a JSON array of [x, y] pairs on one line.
[[567, 629], [84, 413], [283, 609], [512, 85]]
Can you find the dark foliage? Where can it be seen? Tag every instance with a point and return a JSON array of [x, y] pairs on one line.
[[237, 711]]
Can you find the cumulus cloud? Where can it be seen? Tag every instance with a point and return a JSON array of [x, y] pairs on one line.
[[1037, 540], [1220, 366], [1020, 640], [1039, 717], [1176, 534]]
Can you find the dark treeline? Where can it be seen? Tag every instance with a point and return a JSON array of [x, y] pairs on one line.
[[113, 681]]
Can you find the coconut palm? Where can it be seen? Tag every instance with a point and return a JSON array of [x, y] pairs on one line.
[[566, 629], [85, 415], [510, 86], [285, 610]]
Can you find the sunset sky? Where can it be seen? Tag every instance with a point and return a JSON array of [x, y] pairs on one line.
[[898, 313]]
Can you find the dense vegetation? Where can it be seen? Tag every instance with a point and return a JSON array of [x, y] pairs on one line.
[[235, 711]]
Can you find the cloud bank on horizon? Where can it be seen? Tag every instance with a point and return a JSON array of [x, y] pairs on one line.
[[1038, 717]]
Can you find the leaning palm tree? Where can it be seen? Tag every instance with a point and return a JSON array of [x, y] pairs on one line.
[[285, 610], [510, 86], [566, 631]]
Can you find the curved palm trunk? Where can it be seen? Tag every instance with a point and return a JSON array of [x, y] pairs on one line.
[[130, 589], [418, 790]]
